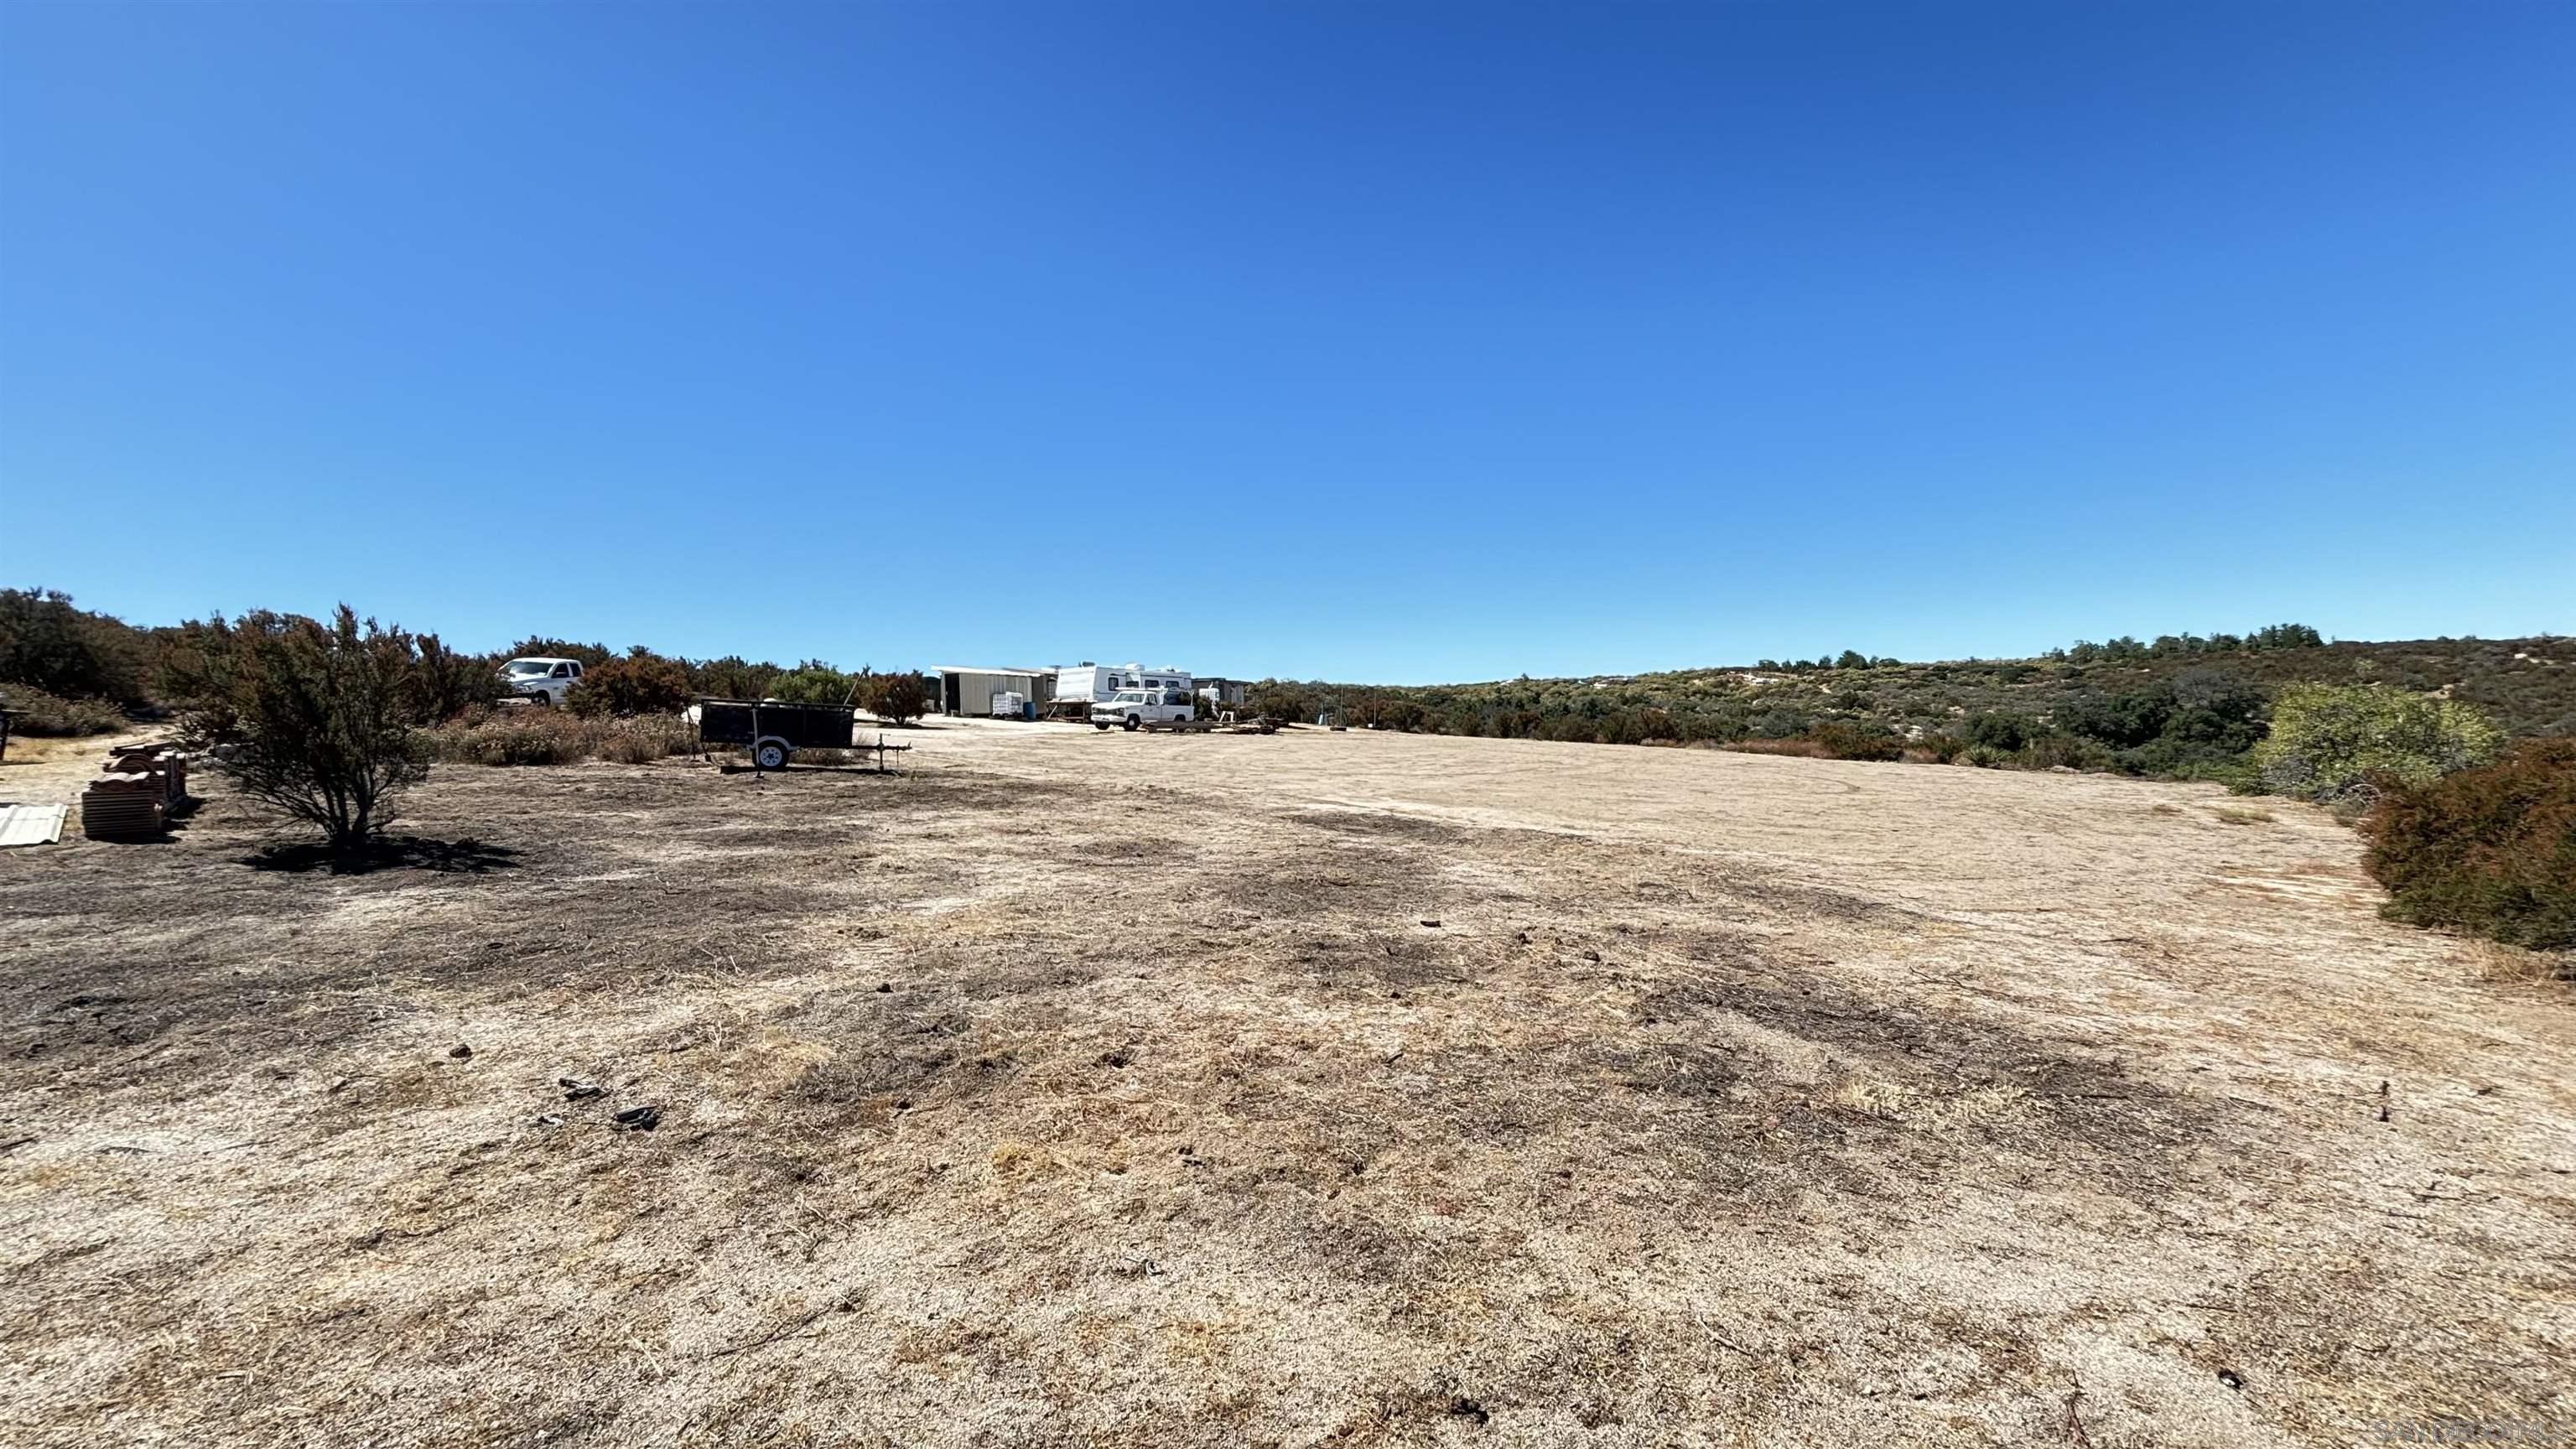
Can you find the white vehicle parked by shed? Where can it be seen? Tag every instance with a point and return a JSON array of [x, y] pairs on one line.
[[1132, 709], [540, 680]]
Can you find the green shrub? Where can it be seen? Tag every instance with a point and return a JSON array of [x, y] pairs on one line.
[[2341, 744], [2003, 733], [2490, 849], [1779, 722], [1841, 741], [637, 684], [2060, 752], [1280, 701], [814, 682], [47, 645], [35, 712], [2122, 721], [319, 718]]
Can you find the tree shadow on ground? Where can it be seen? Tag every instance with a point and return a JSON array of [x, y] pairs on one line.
[[390, 852]]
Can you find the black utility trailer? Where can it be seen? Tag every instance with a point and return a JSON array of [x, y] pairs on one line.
[[773, 731]]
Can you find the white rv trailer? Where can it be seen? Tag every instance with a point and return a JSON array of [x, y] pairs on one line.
[[1089, 683]]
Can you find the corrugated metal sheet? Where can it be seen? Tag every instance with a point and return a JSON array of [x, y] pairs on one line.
[[31, 824]]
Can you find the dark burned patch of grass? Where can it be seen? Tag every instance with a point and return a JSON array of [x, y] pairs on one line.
[[839, 839], [103, 1020], [891, 1050], [1373, 825], [2082, 1116], [1128, 850], [389, 852], [1799, 901], [1373, 962], [1353, 881]]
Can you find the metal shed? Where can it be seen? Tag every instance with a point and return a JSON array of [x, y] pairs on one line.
[[967, 689]]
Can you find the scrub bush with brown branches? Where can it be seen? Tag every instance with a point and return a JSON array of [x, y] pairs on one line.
[[2490, 849], [640, 683], [896, 698], [319, 722]]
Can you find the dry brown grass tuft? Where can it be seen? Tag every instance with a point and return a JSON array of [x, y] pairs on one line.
[[523, 735], [2503, 965], [2243, 815], [1796, 748]]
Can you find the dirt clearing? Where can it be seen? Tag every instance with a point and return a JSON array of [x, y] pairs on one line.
[[1082, 1089]]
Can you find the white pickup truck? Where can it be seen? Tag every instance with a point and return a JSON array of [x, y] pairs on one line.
[[1135, 708], [540, 681]]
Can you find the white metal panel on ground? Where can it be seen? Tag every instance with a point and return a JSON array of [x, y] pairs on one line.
[[31, 824]]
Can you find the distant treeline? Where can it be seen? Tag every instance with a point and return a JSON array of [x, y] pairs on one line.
[[67, 670], [2085, 651], [2182, 704]]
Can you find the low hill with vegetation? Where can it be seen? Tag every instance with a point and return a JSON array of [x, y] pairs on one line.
[[2181, 705]]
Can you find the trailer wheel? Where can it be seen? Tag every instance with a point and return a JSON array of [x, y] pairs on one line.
[[1132, 723], [770, 754]]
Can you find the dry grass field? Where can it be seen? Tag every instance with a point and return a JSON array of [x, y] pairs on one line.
[[1078, 1089]]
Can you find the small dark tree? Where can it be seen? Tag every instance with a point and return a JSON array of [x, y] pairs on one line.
[[447, 683], [318, 718], [637, 684], [897, 698]]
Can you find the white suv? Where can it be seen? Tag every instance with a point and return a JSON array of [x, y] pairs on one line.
[[1135, 708], [541, 681]]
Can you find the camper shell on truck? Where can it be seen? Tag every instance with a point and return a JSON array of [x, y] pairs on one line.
[[1083, 688]]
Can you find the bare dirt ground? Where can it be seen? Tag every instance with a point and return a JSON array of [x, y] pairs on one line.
[[1083, 1089], [37, 770]]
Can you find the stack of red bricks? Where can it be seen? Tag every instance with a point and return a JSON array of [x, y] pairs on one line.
[[144, 785]]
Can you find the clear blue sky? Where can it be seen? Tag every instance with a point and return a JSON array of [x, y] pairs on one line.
[[1369, 342]]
